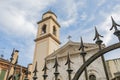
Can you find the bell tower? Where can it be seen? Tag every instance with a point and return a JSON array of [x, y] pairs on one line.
[[47, 40]]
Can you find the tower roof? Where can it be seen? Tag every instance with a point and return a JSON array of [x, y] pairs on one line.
[[50, 13]]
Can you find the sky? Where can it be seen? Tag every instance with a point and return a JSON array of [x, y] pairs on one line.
[[18, 23]]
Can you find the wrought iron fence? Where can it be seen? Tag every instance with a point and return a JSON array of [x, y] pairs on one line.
[[83, 54]]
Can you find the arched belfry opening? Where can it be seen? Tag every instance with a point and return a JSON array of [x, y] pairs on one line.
[[44, 29], [54, 30], [92, 77]]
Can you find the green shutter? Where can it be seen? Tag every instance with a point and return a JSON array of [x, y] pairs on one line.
[[2, 74]]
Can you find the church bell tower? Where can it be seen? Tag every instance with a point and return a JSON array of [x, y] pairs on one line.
[[47, 40]]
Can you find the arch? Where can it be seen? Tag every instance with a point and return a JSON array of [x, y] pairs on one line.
[[92, 77], [54, 30], [94, 57], [95, 72], [59, 77], [43, 29]]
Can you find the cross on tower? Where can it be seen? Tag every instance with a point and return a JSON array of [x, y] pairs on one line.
[[69, 37]]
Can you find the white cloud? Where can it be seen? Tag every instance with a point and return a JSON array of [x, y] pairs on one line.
[[71, 9], [101, 2], [107, 23], [83, 16], [18, 21], [17, 16]]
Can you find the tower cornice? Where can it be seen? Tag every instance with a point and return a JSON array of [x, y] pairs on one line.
[[47, 19], [47, 35]]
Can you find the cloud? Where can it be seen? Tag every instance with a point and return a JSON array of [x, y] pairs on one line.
[[14, 23], [18, 17], [70, 10], [101, 2], [18, 23], [83, 16], [107, 23]]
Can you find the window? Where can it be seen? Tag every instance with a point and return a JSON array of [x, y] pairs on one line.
[[92, 77], [44, 29], [54, 30]]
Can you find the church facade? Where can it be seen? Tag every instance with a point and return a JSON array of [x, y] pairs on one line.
[[47, 47]]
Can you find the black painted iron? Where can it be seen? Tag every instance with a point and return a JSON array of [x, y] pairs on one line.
[[115, 26], [94, 57], [35, 72], [87, 62], [45, 71], [83, 54], [69, 70], [56, 73], [99, 43]]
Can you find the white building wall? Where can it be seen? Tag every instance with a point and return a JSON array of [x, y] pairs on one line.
[[95, 68]]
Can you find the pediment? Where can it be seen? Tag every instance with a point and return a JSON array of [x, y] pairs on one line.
[[72, 48]]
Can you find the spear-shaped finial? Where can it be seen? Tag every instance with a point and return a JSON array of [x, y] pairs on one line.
[[69, 70], [97, 37], [56, 73], [114, 25], [45, 71], [45, 66], [82, 45], [83, 53], [68, 59], [56, 62], [82, 48], [35, 72]]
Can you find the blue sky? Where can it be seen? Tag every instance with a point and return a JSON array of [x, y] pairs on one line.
[[18, 23]]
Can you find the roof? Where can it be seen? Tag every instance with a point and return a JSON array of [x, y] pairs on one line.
[[4, 61], [112, 59], [50, 13]]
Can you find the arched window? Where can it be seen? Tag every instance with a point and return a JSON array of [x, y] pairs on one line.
[[44, 29], [59, 78], [54, 30], [92, 77]]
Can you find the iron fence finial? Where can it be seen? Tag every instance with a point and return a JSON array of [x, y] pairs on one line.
[[97, 37], [114, 24], [68, 59], [82, 47], [45, 70], [56, 73], [69, 70], [35, 72], [56, 62]]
